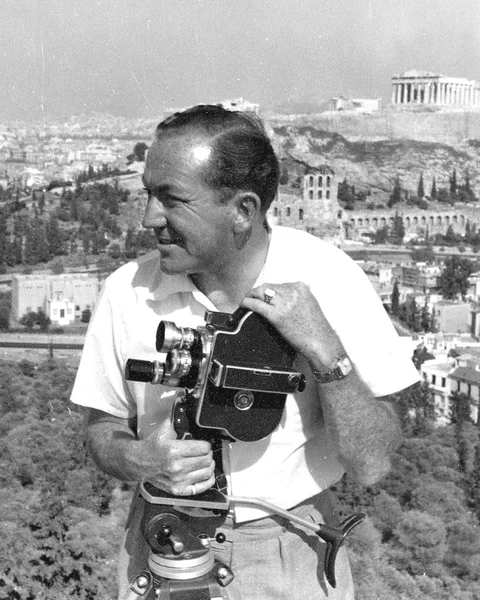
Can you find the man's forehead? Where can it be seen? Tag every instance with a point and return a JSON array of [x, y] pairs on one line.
[[192, 148]]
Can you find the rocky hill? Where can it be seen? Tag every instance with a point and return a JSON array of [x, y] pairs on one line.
[[374, 165]]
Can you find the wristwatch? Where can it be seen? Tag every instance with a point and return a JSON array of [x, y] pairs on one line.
[[342, 368]]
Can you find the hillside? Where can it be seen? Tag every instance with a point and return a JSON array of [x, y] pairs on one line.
[[374, 165]]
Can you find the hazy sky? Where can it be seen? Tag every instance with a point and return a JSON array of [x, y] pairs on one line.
[[64, 57]]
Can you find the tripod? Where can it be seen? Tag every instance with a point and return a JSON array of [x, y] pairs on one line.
[[181, 564]]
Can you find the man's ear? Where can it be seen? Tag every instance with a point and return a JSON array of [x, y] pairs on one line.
[[248, 208]]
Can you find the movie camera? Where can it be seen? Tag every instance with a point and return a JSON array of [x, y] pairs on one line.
[[236, 373]]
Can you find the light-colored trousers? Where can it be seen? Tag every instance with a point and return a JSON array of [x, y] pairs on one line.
[[271, 558]]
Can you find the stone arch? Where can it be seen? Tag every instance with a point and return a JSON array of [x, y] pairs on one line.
[[320, 181], [462, 220], [289, 211], [360, 222], [310, 194], [383, 222], [431, 220], [311, 181], [319, 194], [415, 220], [447, 220], [375, 222], [454, 219], [328, 180], [439, 220], [424, 220], [407, 222], [300, 214], [367, 222]]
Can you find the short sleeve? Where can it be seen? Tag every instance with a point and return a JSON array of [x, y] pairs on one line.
[[355, 311], [100, 381]]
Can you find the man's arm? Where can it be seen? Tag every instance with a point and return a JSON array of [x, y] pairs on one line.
[[172, 465], [366, 430]]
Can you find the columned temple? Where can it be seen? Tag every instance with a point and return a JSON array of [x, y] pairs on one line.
[[421, 87]]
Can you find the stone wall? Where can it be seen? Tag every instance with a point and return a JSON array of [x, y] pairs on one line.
[[446, 126]]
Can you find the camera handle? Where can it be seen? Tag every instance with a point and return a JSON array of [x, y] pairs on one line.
[[333, 537]]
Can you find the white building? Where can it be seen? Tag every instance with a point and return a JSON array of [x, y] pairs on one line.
[[422, 87], [62, 297], [354, 104]]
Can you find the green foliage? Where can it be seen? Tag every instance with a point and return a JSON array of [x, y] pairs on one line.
[[396, 195], [30, 319], [86, 315], [397, 231], [423, 254], [58, 534], [453, 281], [421, 188], [421, 539]]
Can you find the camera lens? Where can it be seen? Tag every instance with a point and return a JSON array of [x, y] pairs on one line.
[[170, 337]]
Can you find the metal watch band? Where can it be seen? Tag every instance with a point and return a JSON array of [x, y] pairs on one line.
[[342, 368]]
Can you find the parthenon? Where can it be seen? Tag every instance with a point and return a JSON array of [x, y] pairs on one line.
[[423, 87]]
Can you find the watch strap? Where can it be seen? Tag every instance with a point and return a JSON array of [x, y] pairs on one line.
[[342, 368]]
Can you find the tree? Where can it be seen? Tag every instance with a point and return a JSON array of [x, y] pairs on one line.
[[397, 231], [423, 254], [138, 153], [86, 315], [453, 281], [55, 238], [420, 188], [453, 183], [420, 543], [395, 306], [396, 195], [36, 244], [433, 191]]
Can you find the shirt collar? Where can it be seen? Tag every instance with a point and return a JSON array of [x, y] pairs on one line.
[[166, 285]]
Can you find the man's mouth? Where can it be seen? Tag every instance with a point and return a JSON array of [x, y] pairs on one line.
[[168, 241]]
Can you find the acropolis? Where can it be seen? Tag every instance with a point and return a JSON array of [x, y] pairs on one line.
[[422, 87]]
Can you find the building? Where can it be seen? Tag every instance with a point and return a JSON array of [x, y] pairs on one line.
[[413, 88], [316, 210], [354, 104], [239, 104], [420, 278], [452, 317], [436, 374], [62, 297]]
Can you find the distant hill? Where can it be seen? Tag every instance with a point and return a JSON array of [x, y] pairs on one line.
[[374, 164]]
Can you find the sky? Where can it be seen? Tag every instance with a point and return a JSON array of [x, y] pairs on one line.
[[60, 58]]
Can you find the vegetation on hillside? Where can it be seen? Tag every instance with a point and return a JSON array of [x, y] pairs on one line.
[[61, 520], [85, 220]]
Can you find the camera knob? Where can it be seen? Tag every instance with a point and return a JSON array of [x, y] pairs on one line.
[[174, 541]]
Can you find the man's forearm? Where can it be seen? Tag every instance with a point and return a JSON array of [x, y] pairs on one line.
[[366, 430], [112, 446]]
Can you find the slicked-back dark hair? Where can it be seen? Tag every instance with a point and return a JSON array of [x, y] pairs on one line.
[[242, 154]]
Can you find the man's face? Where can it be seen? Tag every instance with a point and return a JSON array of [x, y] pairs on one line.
[[193, 230]]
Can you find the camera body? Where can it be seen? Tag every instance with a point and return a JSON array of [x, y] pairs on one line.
[[237, 371]]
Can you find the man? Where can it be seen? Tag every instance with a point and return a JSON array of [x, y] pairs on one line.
[[211, 176]]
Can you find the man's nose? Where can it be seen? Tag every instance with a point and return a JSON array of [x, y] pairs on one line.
[[154, 214]]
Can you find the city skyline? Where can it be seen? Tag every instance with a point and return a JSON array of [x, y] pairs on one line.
[[65, 57]]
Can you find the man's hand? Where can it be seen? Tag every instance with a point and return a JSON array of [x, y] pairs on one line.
[[296, 315], [179, 467]]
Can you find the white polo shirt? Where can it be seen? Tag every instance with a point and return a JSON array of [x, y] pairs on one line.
[[298, 460]]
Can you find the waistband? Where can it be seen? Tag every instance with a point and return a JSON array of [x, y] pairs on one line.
[[318, 509]]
